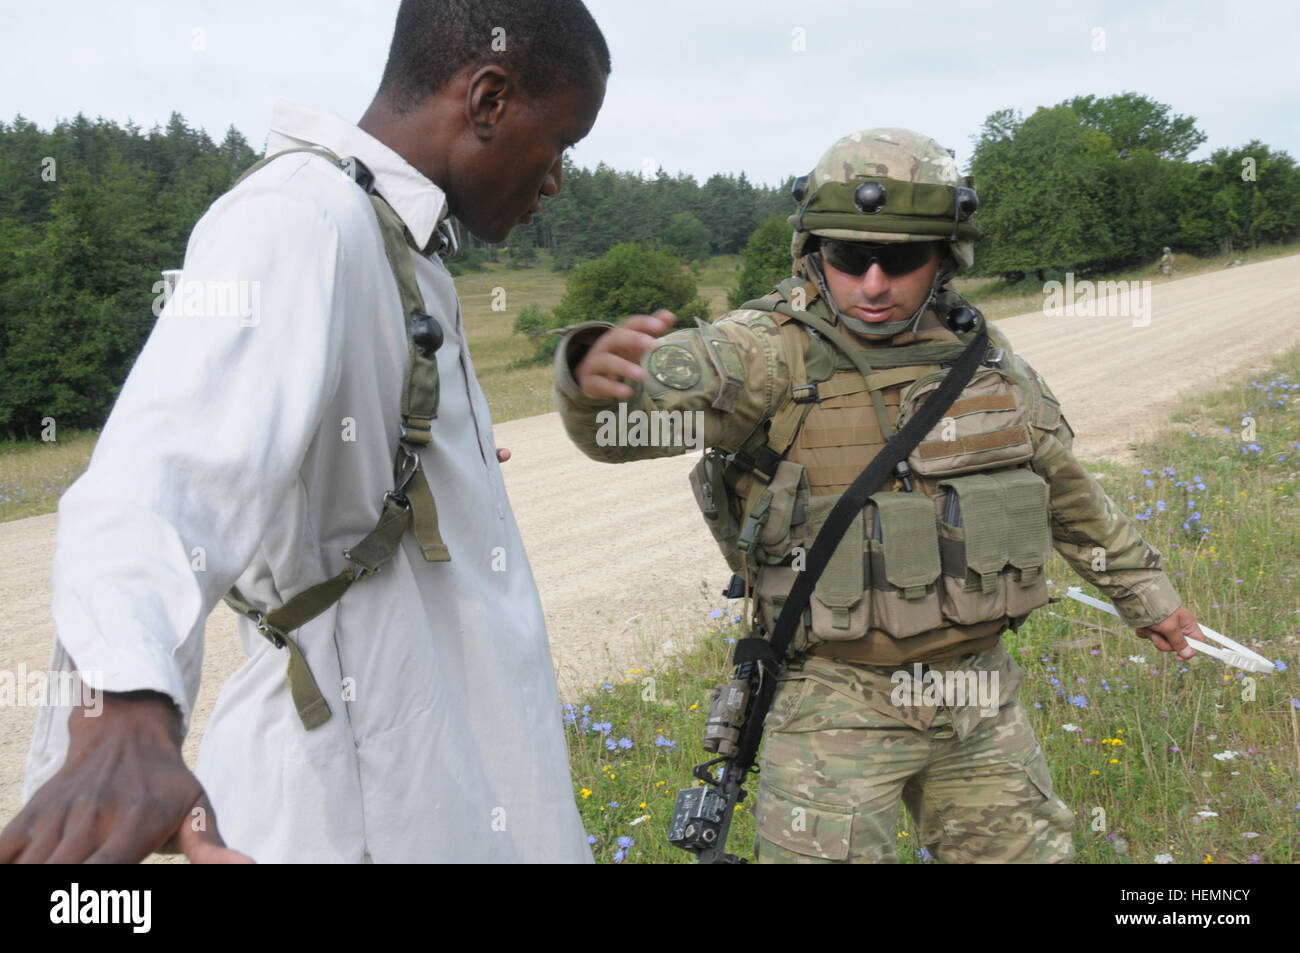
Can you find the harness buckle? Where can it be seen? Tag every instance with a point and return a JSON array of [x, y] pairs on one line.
[[804, 394], [276, 639], [410, 465]]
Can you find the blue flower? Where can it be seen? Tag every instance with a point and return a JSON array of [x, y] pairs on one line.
[[715, 613], [625, 743], [1160, 506], [613, 803], [662, 742], [924, 855], [619, 855], [1078, 701], [1038, 704], [610, 744], [625, 842], [1280, 665], [1150, 483], [591, 838]]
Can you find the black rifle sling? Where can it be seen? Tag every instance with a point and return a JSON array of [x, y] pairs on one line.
[[770, 654]]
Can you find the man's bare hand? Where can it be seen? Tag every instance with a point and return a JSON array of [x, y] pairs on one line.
[[617, 354], [123, 793], [1173, 633], [502, 454]]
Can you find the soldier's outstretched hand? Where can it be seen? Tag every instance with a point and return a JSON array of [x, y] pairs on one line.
[[617, 354], [1173, 633]]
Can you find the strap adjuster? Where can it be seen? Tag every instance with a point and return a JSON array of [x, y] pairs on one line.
[[804, 393]]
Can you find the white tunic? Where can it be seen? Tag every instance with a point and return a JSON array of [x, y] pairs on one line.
[[254, 448]]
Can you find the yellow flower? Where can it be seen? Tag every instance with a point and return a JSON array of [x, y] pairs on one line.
[[642, 805], [585, 793], [695, 707], [1208, 859], [1095, 771], [1114, 760]]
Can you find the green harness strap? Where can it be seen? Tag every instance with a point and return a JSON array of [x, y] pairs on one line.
[[409, 504]]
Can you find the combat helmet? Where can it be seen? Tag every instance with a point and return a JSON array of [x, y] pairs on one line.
[[885, 185]]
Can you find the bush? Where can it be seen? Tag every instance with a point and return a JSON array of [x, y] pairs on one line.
[[767, 262], [628, 279]]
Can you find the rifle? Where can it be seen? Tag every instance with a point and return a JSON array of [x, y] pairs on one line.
[[734, 729]]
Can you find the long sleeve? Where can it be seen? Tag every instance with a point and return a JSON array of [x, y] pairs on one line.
[[731, 372], [1099, 542], [204, 442]]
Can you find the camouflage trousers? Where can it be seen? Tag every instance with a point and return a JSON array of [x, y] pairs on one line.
[[843, 743]]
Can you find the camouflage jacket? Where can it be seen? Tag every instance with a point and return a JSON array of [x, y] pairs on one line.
[[735, 372]]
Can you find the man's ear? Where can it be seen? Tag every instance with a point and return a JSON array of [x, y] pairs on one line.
[[487, 94]]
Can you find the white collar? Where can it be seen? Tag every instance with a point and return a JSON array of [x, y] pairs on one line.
[[418, 202]]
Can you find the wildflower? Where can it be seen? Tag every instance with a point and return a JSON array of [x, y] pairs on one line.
[[924, 855], [1280, 665], [619, 856], [1138, 659], [1164, 858], [625, 743], [591, 838], [613, 804], [625, 842], [1160, 506], [695, 707], [662, 742], [1226, 755], [1249, 835], [1038, 704], [1078, 701], [1207, 813], [1069, 726], [585, 793], [716, 613]]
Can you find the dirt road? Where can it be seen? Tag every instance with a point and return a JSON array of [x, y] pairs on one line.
[[621, 556]]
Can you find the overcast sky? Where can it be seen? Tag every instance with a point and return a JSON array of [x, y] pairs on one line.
[[699, 86]]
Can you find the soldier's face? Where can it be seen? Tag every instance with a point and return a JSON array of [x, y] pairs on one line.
[[876, 297]]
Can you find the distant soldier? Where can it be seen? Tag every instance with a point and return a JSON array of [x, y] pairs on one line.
[[799, 391], [1167, 262]]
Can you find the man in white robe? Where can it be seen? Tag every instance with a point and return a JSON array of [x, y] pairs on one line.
[[252, 447]]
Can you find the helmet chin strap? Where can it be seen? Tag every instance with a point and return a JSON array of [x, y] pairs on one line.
[[887, 328]]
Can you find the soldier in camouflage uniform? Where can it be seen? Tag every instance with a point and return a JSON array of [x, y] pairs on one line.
[[799, 390], [1167, 262]]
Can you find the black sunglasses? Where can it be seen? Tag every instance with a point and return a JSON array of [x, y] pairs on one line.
[[854, 258]]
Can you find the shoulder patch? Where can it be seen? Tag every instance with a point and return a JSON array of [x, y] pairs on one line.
[[674, 366]]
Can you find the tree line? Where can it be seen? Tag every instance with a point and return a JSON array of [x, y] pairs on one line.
[[91, 211]]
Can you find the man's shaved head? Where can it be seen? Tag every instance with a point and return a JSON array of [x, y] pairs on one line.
[[547, 44]]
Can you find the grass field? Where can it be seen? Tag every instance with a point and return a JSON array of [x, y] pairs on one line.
[[1161, 761]]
